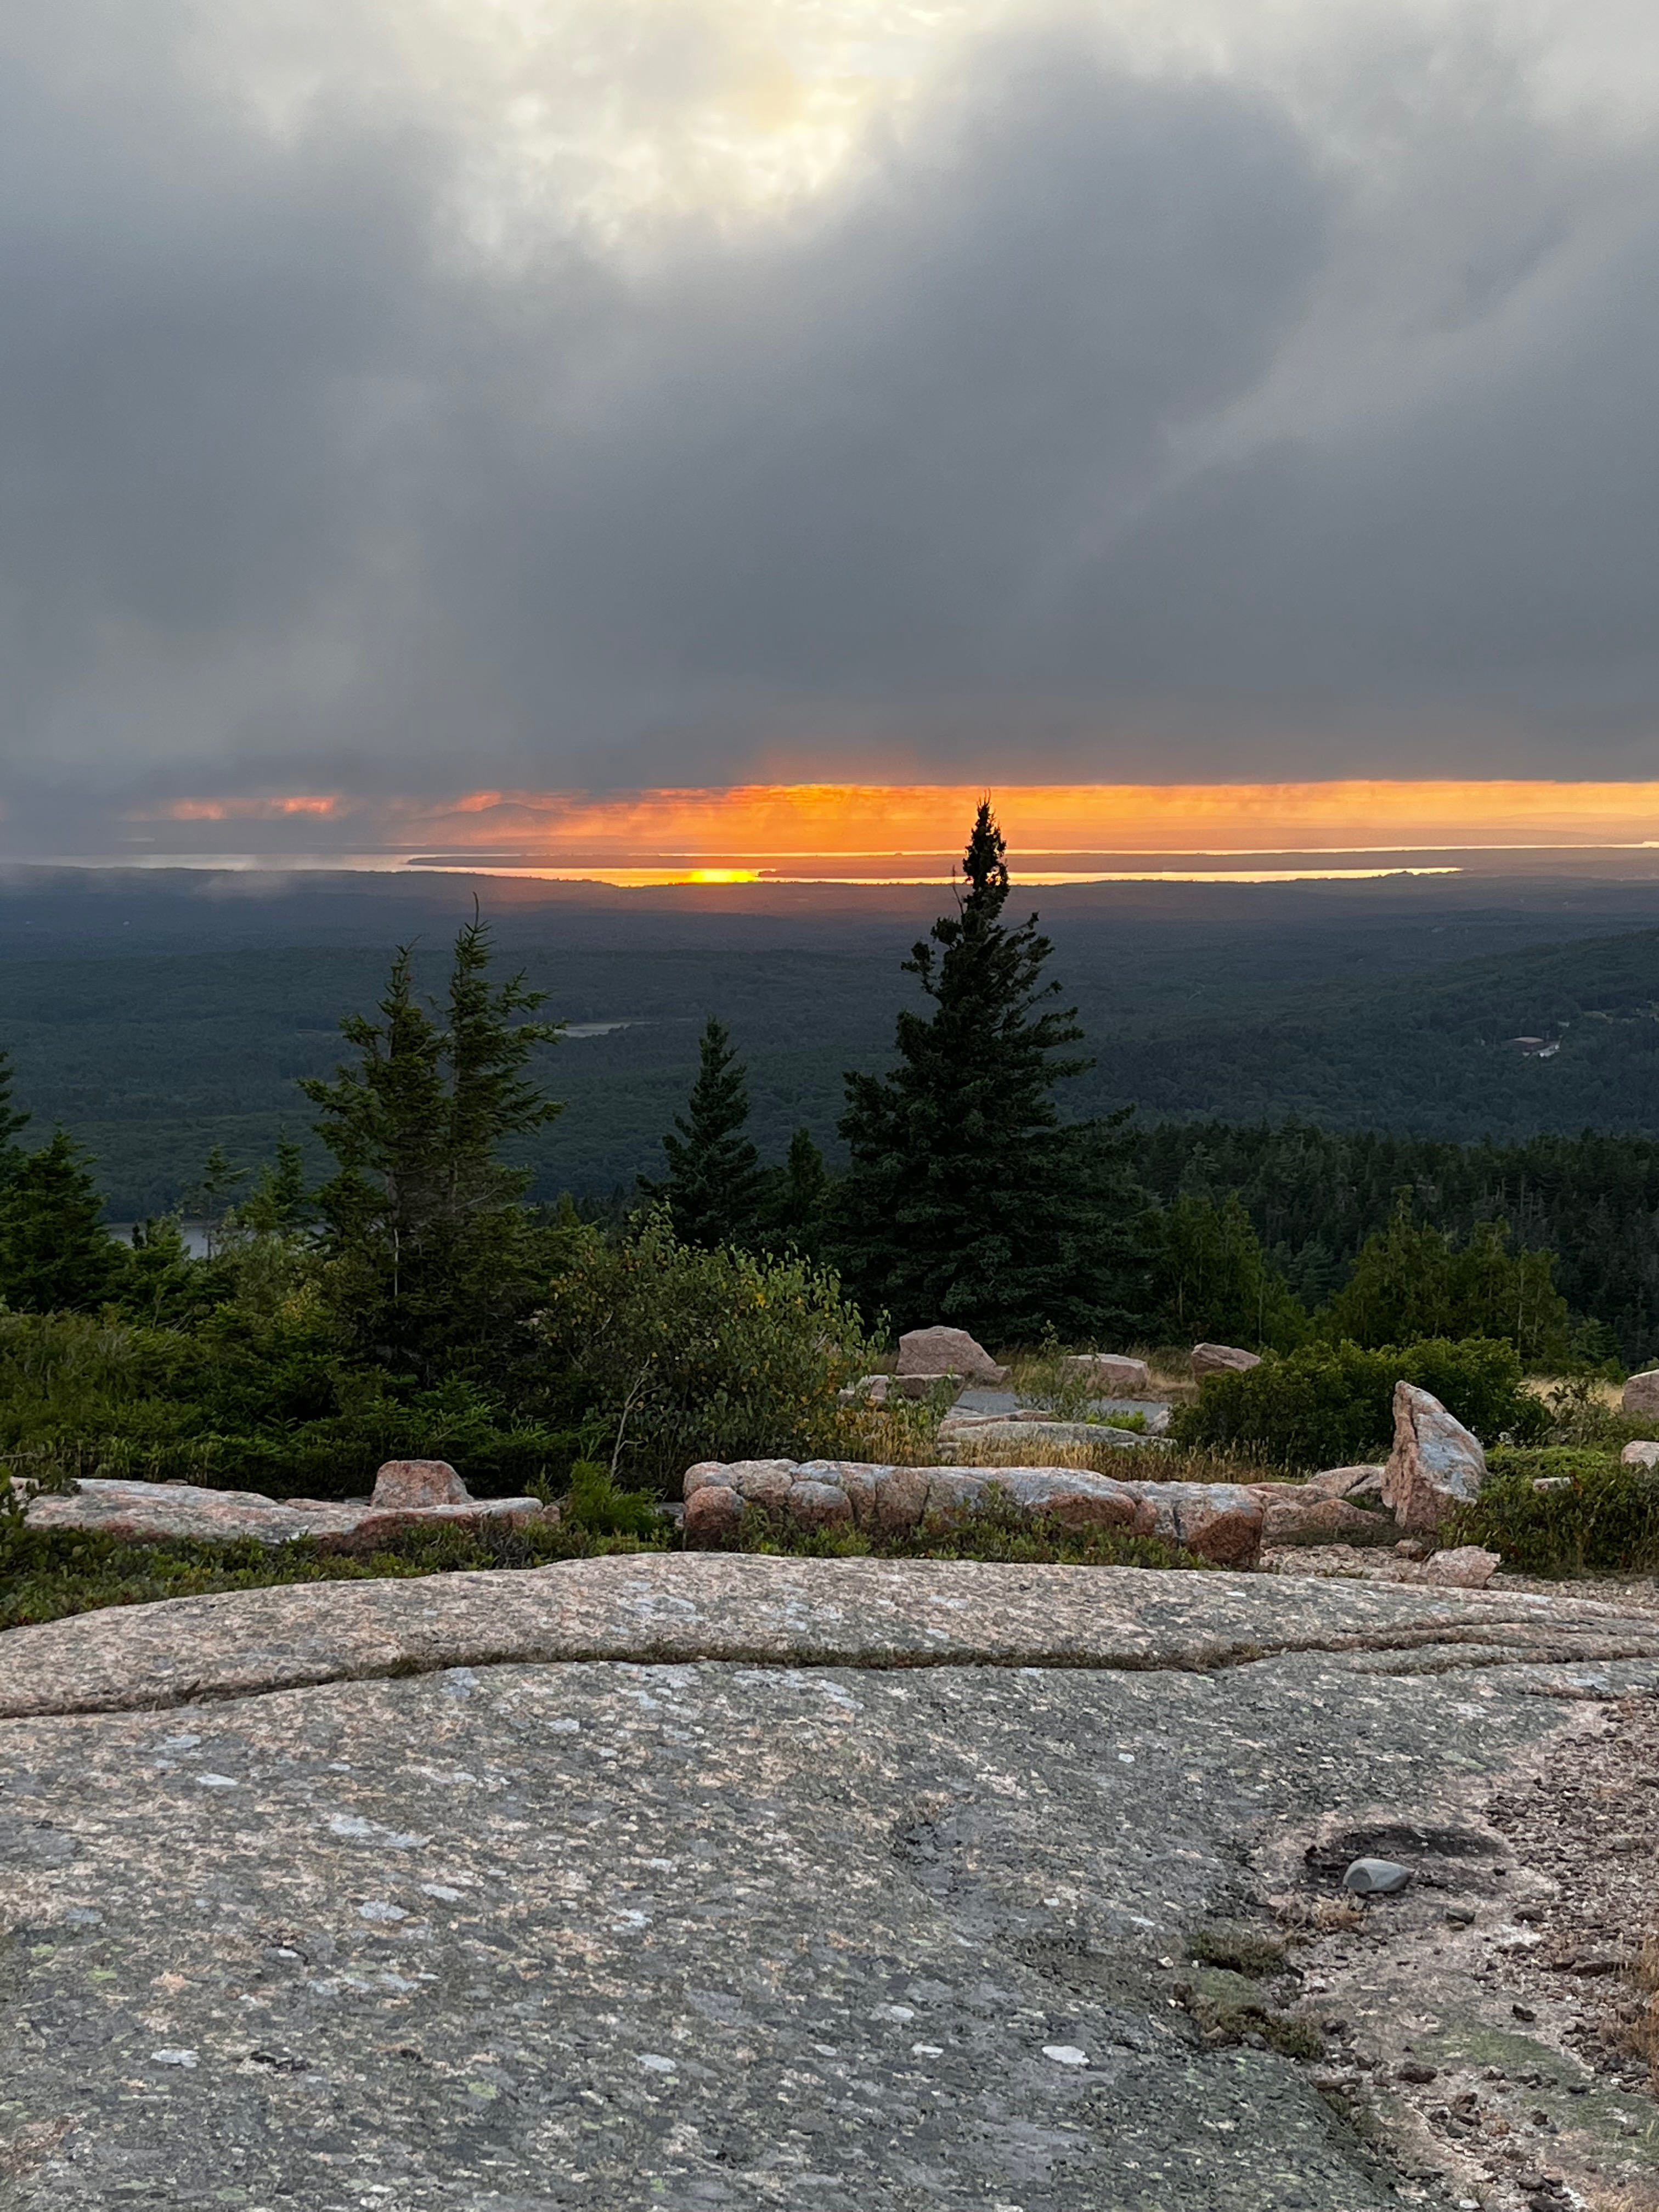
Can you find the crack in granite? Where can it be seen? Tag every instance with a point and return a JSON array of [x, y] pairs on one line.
[[871, 1615]]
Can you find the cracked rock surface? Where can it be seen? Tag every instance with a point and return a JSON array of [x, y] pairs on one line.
[[721, 1881]]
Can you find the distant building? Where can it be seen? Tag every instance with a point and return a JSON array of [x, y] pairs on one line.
[[1535, 1047]]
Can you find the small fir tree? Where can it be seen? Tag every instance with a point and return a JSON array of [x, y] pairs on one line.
[[56, 1254], [969, 1201], [714, 1181], [278, 1205], [163, 1285], [433, 1253], [797, 1196], [13, 1121]]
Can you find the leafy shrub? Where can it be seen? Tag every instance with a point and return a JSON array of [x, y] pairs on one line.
[[249, 1401], [1331, 1404], [596, 1505], [686, 1354], [1580, 1415], [1606, 1519], [1412, 1275]]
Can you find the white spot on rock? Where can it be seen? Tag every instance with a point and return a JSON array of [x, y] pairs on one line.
[[655, 2062], [175, 2058], [926, 2050], [1065, 2054], [215, 1781], [442, 1891], [377, 1908]]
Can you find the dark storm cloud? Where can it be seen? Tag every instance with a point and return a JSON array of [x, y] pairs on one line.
[[1101, 422]]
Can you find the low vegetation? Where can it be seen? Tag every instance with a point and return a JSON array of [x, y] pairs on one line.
[[47, 1574], [1597, 1515], [414, 1303], [1331, 1404]]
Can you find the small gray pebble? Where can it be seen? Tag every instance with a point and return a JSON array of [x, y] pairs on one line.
[[1376, 1877]]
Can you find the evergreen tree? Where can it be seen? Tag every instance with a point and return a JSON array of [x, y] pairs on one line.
[[278, 1204], [163, 1285], [13, 1121], [210, 1201], [969, 1201], [796, 1197], [714, 1181], [56, 1254], [433, 1251]]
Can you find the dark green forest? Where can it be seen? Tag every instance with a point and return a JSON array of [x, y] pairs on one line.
[[1317, 1052], [407, 1270], [155, 1027]]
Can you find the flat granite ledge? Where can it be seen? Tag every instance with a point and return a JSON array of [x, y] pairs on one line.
[[765, 1611]]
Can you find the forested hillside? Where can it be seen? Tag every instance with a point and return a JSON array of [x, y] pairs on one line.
[[1352, 1015]]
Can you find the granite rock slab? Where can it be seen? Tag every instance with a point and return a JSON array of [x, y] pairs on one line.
[[182, 1512], [756, 1610], [1226, 1523], [698, 1881]]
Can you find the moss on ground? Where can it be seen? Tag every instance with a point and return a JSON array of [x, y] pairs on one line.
[[1245, 1950]]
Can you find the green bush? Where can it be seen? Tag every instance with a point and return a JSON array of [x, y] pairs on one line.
[[687, 1354], [595, 1504], [1412, 1275], [1606, 1519], [248, 1401], [1331, 1405]]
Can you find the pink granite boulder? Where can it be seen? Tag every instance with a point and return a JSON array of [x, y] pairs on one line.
[[1297, 1513], [1437, 1464], [1113, 1373], [419, 1482], [1220, 1520], [712, 1513], [1222, 1359], [939, 1351], [1466, 1566], [173, 1512]]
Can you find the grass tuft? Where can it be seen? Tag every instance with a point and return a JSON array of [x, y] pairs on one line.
[[1245, 1950]]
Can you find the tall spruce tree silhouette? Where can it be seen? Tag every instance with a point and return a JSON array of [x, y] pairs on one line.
[[969, 1201], [714, 1180]]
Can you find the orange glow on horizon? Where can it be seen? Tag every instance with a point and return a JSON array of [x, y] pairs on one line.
[[861, 832], [755, 824]]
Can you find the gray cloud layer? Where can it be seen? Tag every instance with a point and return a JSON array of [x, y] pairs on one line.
[[1099, 422]]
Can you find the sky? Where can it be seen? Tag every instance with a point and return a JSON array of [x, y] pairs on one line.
[[479, 424]]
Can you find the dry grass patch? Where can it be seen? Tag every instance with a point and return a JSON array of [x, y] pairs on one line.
[[1641, 2029]]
